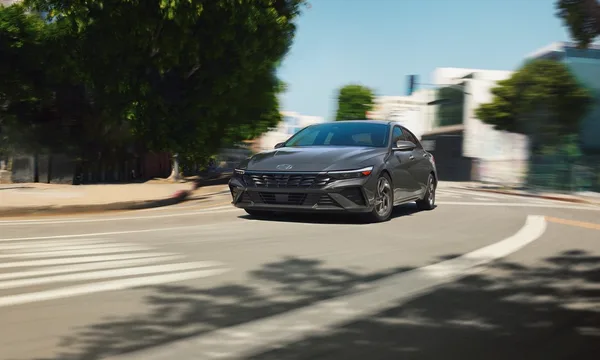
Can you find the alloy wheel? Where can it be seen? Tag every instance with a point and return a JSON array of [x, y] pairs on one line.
[[383, 201]]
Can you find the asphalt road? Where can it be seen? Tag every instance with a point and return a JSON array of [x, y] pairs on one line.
[[481, 276]]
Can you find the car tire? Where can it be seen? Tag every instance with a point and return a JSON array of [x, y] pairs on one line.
[[257, 213], [384, 200], [428, 201]]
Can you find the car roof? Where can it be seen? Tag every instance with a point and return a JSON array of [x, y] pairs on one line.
[[383, 122]]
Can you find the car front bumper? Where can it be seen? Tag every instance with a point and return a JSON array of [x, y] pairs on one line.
[[337, 196]]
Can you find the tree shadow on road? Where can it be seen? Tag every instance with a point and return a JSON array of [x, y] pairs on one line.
[[177, 312], [510, 311], [329, 218]]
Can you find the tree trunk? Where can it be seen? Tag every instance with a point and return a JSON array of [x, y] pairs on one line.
[[175, 169]]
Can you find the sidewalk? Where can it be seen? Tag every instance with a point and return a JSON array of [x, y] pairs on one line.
[[36, 199], [579, 198]]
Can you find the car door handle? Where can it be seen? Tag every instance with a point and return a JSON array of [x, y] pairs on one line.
[[425, 155], [411, 157]]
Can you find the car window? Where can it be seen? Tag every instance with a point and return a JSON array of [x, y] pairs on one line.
[[342, 134], [412, 138], [306, 138], [397, 135]]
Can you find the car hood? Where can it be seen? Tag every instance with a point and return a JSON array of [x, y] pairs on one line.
[[325, 158]]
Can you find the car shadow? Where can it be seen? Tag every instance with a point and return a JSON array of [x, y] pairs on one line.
[[334, 219]]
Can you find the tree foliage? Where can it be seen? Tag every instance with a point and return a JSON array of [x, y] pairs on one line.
[[167, 75], [543, 99], [582, 17], [353, 102]]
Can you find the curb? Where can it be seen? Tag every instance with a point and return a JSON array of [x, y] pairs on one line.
[[177, 198], [545, 197]]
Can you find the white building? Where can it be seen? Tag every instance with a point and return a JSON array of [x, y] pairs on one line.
[[476, 150], [292, 123], [410, 111], [501, 156]]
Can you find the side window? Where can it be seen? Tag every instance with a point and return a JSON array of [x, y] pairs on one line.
[[411, 137], [396, 135]]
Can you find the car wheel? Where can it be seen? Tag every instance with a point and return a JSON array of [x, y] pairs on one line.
[[257, 213], [428, 201], [384, 200]]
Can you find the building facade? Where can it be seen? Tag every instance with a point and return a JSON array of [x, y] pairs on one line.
[[443, 117], [585, 65], [410, 111], [495, 156], [292, 123]]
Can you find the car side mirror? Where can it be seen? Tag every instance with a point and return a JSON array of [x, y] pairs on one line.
[[279, 145], [404, 146]]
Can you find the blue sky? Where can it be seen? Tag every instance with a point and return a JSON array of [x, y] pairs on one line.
[[378, 42]]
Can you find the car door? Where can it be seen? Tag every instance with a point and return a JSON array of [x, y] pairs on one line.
[[400, 161], [421, 166]]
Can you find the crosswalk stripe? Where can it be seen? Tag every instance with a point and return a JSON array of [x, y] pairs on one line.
[[74, 247], [77, 260], [112, 285], [49, 244], [105, 274], [49, 254], [87, 267]]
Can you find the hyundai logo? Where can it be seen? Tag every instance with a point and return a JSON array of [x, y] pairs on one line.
[[284, 167]]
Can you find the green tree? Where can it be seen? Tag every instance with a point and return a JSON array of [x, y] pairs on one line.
[[353, 102], [181, 76], [543, 100], [582, 18]]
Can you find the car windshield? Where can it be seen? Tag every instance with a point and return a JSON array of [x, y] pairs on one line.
[[341, 134]]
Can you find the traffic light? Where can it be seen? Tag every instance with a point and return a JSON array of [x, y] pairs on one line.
[[412, 84]]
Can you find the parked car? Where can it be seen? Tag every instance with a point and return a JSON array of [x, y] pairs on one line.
[[360, 166]]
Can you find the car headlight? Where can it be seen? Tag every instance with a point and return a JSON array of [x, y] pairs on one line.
[[351, 174], [239, 171]]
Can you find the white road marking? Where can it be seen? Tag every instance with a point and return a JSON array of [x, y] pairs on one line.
[[130, 263], [89, 266], [120, 232], [79, 260], [441, 193], [50, 254], [55, 249], [215, 210], [468, 192], [113, 285], [286, 328], [49, 244], [523, 204], [105, 274]]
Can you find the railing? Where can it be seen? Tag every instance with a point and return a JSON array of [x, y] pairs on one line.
[[567, 174], [564, 173]]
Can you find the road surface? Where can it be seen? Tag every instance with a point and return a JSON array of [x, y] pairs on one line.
[[481, 276]]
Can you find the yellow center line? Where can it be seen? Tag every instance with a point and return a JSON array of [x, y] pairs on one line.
[[582, 224]]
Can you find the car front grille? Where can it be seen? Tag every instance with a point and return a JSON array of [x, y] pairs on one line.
[[275, 180], [283, 198]]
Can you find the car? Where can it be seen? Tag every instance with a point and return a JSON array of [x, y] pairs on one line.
[[359, 166]]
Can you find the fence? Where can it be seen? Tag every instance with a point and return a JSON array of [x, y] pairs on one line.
[[564, 173], [544, 173]]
